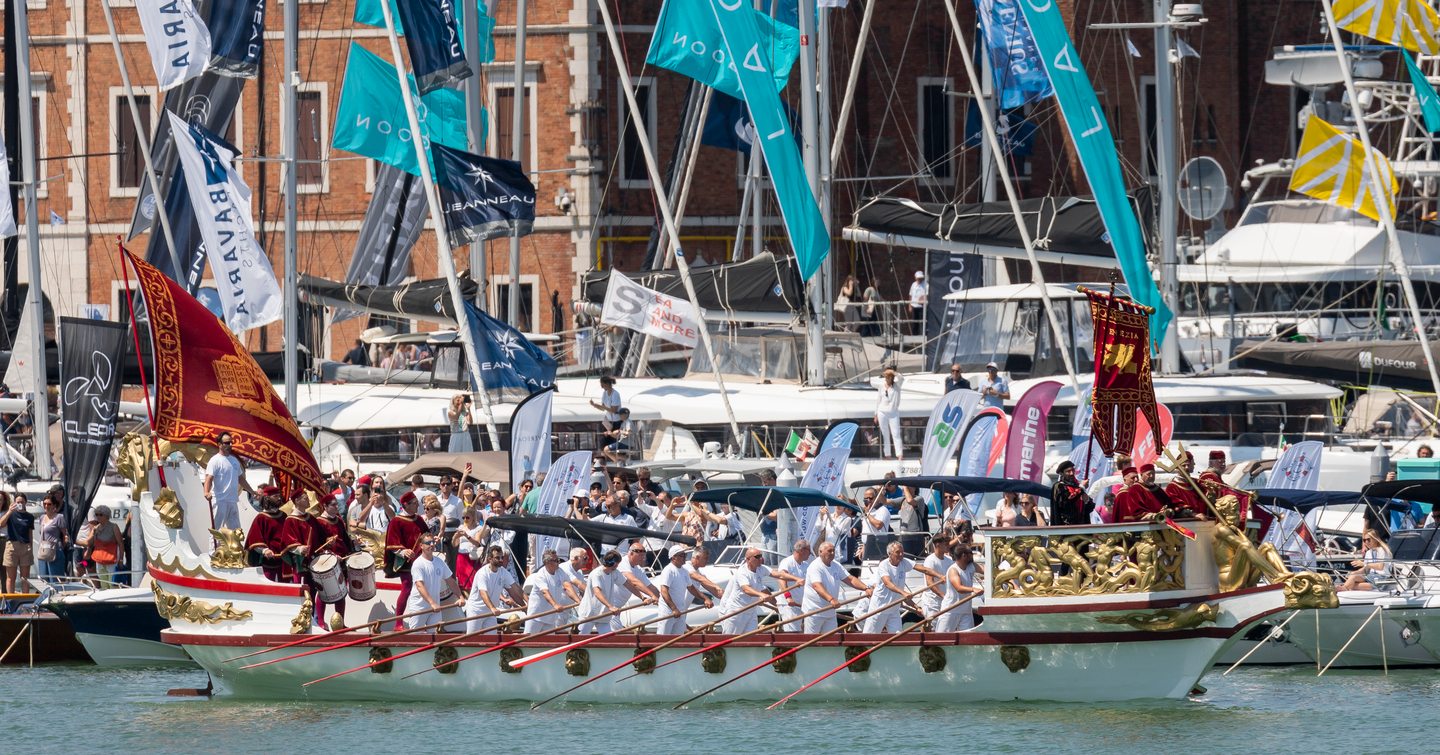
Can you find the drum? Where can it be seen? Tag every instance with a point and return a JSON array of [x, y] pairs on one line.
[[360, 574], [329, 581]]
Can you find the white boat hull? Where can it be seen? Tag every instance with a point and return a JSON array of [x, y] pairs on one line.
[[1384, 641], [116, 651]]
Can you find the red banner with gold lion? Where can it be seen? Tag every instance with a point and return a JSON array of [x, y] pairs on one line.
[[1122, 372], [206, 383]]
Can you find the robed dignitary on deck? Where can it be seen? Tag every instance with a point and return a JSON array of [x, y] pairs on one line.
[[402, 542], [263, 543]]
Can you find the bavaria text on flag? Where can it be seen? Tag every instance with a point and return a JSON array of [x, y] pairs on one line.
[[631, 305], [510, 365], [7, 210], [1331, 167], [1424, 94], [1090, 133], [1411, 24], [371, 119], [249, 292], [436, 55], [942, 432], [808, 234], [1014, 61], [178, 39], [688, 41], [237, 36], [482, 197]]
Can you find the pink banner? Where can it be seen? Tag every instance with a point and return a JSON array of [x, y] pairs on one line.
[[1145, 451], [1025, 447]]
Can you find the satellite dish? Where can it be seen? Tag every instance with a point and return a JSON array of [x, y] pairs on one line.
[[1203, 189]]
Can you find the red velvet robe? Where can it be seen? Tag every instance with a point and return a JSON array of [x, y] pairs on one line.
[[1182, 495], [403, 533], [265, 532], [333, 538], [1136, 502], [298, 531]]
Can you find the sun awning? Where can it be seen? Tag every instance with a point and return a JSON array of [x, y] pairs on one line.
[[427, 300], [763, 499], [595, 533], [964, 485]]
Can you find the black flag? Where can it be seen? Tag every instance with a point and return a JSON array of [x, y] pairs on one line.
[[387, 234], [90, 361], [482, 197]]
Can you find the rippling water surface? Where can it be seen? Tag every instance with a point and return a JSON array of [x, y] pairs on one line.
[[85, 708]]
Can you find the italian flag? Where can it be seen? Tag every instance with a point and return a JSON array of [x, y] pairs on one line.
[[801, 446]]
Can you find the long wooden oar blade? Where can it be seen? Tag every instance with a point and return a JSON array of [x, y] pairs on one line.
[[872, 649], [817, 638]]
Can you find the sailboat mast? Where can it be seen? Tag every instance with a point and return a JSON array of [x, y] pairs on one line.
[[474, 106], [1381, 194], [11, 86], [822, 147], [809, 132], [445, 254], [289, 126], [1166, 171], [517, 144], [29, 152]]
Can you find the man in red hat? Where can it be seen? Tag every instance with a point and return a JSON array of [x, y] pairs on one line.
[[402, 542], [1141, 498], [334, 539], [298, 538], [263, 542], [1216, 466], [1180, 493]]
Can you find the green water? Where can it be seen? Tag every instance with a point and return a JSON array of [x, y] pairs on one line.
[[87, 709]]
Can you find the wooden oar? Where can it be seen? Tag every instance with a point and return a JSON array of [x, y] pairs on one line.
[[309, 638], [743, 635], [875, 647], [651, 651], [566, 648], [817, 638], [375, 638], [500, 627], [518, 640]]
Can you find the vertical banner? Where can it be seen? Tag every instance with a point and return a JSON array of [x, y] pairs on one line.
[[565, 478], [1090, 462], [436, 55], [1298, 468], [177, 38], [20, 373], [943, 430], [237, 36], [388, 232], [1025, 448], [530, 436], [979, 438], [1145, 450], [1080, 426], [945, 274], [1122, 371], [1085, 120], [90, 359], [840, 435], [827, 475], [1014, 61]]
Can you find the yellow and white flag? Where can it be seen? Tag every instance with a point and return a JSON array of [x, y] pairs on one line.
[[1411, 24], [1332, 167]]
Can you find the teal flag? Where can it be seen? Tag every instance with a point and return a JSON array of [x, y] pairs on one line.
[[687, 40], [1093, 142], [740, 30], [1424, 94], [368, 12], [371, 118]]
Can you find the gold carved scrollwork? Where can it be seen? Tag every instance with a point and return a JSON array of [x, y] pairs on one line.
[[1100, 563], [167, 507], [1310, 590], [229, 549], [1165, 619], [172, 606], [135, 455], [302, 621], [577, 662], [372, 541]]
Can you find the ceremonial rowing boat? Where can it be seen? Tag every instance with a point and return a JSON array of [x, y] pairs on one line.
[[1088, 613]]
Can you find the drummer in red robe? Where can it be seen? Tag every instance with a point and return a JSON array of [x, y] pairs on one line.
[[263, 543], [1142, 498], [402, 542], [333, 539], [1181, 494], [298, 540]]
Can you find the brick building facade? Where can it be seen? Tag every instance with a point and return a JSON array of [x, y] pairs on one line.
[[910, 74]]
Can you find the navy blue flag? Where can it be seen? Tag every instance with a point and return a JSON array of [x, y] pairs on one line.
[[237, 36], [728, 124], [436, 56], [510, 366], [482, 197]]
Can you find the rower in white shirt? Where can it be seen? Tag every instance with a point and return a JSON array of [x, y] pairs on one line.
[[822, 590], [745, 588], [889, 586], [676, 589], [791, 575], [607, 590]]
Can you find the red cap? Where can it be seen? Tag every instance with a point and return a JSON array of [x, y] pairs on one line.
[[268, 490], [1217, 455], [1147, 468], [327, 499], [1189, 457], [1126, 472], [408, 498]]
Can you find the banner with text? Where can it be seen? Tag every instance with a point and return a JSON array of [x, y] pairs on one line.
[[530, 436], [91, 352], [942, 431], [631, 305], [1025, 448], [177, 38]]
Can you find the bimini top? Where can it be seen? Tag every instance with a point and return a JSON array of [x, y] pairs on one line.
[[595, 533], [765, 498], [1305, 500], [1419, 491], [965, 485]]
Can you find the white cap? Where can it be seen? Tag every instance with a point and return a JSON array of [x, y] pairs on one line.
[[919, 274], [577, 551], [988, 365]]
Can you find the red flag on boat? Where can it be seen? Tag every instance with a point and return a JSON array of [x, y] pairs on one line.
[[206, 384], [1122, 372]]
